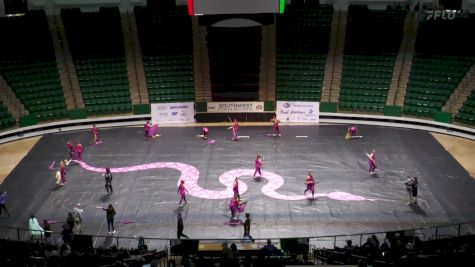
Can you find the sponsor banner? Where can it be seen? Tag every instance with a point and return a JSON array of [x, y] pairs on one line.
[[296, 111], [168, 113], [235, 107]]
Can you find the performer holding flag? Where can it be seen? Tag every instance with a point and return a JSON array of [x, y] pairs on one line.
[[153, 131], [411, 185], [276, 122], [204, 133], [146, 129], [236, 206], [236, 187], [95, 134], [71, 148], [372, 161], [235, 128], [351, 133]]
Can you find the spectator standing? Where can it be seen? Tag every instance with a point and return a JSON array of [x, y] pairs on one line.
[[247, 227], [110, 214], [180, 227], [3, 203], [78, 218], [36, 231]]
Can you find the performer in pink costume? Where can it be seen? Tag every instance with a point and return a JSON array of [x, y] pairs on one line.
[[276, 125], [351, 133], [258, 166], [204, 132], [95, 134], [310, 182], [182, 190], [71, 149], [153, 131], [236, 187], [372, 162], [235, 130], [146, 129], [236, 207], [79, 150]]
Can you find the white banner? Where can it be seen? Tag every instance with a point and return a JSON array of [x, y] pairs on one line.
[[235, 107], [169, 113], [296, 111]]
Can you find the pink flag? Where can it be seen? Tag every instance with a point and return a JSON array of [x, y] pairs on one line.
[[51, 167]]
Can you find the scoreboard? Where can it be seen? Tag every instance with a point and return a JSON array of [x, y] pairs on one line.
[[225, 7]]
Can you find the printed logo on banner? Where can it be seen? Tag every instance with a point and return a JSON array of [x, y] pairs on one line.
[[225, 107], [297, 111], [211, 108], [235, 107], [178, 107], [164, 113]]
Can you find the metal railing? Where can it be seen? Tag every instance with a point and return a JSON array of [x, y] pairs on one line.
[[330, 241]]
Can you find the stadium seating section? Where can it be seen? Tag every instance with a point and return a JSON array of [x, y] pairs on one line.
[[31, 71], [303, 36], [466, 114], [6, 119], [96, 44], [432, 81], [373, 38], [371, 44], [166, 42], [38, 87], [438, 65]]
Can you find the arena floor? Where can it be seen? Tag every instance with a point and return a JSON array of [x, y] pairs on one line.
[[146, 173]]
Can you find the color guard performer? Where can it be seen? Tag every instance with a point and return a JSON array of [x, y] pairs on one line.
[[411, 185], [351, 133], [182, 190], [71, 149], [372, 161], [79, 151], [236, 206], [95, 134], [204, 133], [146, 129], [236, 187], [235, 128], [276, 122], [310, 182], [258, 164]]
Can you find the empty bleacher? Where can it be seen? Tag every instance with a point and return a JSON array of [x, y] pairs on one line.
[[166, 41], [6, 119], [303, 35], [372, 38], [466, 114], [97, 47], [443, 55], [28, 64]]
